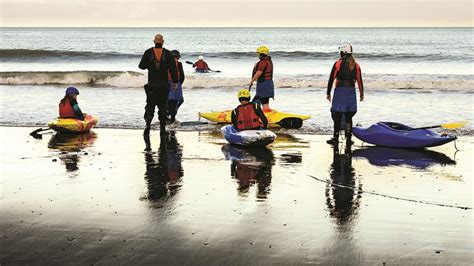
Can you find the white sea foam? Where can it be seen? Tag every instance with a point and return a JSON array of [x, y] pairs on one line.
[[128, 79]]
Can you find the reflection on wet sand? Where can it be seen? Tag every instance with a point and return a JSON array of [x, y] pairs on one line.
[[420, 159], [250, 166], [341, 199], [70, 145], [343, 202], [163, 168]]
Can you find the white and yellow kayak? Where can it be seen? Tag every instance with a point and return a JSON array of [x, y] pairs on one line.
[[273, 116], [72, 125]]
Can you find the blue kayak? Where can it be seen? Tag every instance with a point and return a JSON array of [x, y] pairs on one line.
[[261, 137], [396, 135]]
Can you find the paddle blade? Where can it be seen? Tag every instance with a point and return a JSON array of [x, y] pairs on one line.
[[454, 125], [188, 62], [291, 122]]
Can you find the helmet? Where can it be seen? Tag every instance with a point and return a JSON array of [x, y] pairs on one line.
[[201, 57], [244, 93], [346, 48], [263, 50], [176, 54], [72, 90]]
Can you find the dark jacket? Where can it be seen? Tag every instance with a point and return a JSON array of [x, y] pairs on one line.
[[159, 77]]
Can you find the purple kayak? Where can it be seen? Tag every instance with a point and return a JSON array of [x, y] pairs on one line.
[[396, 135]]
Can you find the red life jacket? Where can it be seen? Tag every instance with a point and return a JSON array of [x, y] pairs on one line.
[[66, 110], [247, 118], [201, 65], [267, 70]]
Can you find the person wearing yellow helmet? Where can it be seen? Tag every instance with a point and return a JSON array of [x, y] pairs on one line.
[[263, 74], [248, 115]]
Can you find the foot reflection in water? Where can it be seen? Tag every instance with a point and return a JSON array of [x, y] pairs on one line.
[[341, 199], [163, 168], [70, 146], [250, 166]]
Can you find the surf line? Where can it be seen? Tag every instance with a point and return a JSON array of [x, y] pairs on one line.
[[388, 196]]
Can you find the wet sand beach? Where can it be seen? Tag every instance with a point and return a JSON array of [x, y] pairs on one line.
[[100, 198]]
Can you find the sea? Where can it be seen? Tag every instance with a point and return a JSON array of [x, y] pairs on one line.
[[415, 76]]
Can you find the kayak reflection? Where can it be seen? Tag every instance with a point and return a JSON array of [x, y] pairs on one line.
[[163, 168], [342, 193], [420, 159], [250, 166], [70, 145]]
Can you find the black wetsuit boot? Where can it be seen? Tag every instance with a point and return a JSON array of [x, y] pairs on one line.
[[349, 138], [334, 140]]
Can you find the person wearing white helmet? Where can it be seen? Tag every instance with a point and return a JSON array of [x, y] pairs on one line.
[[263, 74], [345, 74], [201, 65]]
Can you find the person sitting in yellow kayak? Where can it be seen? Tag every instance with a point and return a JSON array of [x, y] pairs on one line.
[[68, 107], [248, 115]]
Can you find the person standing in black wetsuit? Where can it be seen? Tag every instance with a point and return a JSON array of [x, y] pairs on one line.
[[159, 62], [345, 72]]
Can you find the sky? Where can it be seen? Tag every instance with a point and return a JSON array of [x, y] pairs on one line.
[[231, 13]]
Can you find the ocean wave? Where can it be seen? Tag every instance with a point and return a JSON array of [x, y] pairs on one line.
[[130, 79], [31, 54]]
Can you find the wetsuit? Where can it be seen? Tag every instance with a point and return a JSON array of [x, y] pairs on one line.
[[344, 101], [157, 88], [265, 86], [175, 97]]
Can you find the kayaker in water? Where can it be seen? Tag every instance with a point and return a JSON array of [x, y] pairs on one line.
[[248, 115], [201, 65], [160, 63], [175, 97], [68, 107], [345, 72], [263, 74]]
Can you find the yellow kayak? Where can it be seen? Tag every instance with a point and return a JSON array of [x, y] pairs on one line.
[[72, 125], [273, 117]]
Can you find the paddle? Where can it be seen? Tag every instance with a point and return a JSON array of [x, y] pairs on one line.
[[36, 133], [191, 63], [450, 126], [288, 123]]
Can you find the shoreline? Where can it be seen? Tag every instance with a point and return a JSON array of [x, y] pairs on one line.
[[99, 198]]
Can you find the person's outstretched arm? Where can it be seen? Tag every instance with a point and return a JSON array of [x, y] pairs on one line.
[[145, 62], [360, 83]]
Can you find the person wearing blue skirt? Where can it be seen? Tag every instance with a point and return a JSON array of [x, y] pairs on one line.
[[345, 73], [175, 96]]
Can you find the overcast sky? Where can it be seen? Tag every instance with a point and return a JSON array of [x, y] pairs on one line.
[[223, 13]]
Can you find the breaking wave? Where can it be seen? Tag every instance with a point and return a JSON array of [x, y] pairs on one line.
[[130, 79]]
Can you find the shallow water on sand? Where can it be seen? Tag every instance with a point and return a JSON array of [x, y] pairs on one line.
[[100, 198], [123, 108]]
